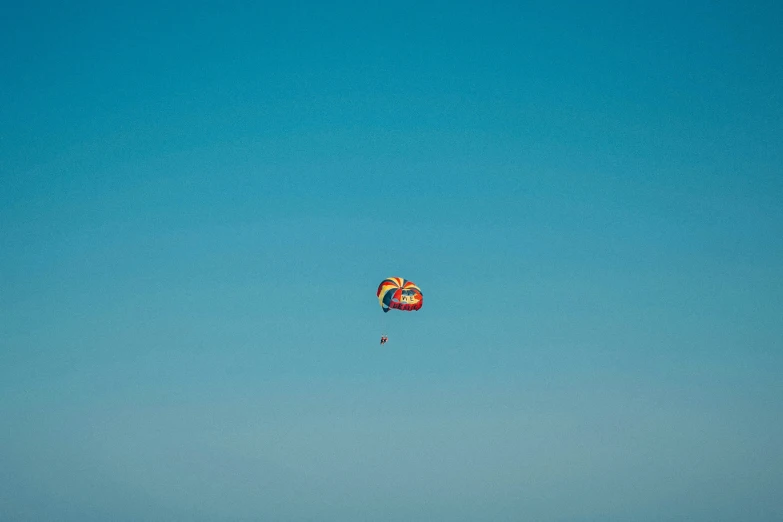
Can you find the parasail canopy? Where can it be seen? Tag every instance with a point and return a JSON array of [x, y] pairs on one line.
[[400, 294]]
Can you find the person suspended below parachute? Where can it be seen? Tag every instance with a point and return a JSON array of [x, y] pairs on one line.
[[396, 293]]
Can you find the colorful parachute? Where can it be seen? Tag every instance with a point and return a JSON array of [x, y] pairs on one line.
[[396, 292]]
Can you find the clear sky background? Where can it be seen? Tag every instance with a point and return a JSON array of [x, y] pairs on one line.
[[198, 201]]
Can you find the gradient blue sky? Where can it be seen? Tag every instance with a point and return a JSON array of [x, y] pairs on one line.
[[198, 202]]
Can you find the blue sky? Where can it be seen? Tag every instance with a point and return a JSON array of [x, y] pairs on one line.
[[198, 202]]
